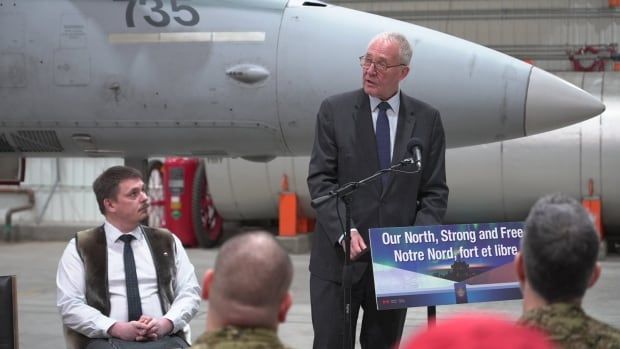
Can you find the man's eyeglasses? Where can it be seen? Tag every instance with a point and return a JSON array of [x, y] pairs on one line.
[[380, 67]]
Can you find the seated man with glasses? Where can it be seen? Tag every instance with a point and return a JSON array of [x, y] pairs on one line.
[[357, 134]]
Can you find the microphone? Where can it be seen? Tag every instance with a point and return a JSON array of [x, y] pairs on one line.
[[414, 147]]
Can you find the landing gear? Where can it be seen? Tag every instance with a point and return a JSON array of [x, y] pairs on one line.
[[155, 190], [207, 222]]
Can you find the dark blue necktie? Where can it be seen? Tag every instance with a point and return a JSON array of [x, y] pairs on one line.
[[382, 133], [134, 303]]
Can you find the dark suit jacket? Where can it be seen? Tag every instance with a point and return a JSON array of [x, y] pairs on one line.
[[345, 150]]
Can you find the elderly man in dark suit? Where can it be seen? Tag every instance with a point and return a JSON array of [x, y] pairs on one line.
[[357, 134]]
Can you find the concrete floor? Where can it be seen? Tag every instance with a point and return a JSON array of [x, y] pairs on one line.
[[35, 263]]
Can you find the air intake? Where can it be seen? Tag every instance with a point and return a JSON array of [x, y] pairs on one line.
[[5, 147], [37, 141]]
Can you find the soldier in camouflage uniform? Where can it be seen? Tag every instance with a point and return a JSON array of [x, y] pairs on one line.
[[556, 264], [248, 293], [231, 337], [568, 325]]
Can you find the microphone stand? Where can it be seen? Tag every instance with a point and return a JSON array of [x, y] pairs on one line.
[[344, 193]]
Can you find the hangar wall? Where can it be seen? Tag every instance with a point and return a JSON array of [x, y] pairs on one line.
[[541, 31], [63, 192]]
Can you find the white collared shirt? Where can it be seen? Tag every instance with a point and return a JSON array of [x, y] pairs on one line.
[[392, 115], [87, 320]]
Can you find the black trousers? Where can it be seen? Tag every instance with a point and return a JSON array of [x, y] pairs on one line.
[[380, 329], [172, 342]]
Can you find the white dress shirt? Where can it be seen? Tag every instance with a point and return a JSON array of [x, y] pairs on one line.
[[79, 316], [392, 115]]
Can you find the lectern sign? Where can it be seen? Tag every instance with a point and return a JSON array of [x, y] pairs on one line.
[[445, 264]]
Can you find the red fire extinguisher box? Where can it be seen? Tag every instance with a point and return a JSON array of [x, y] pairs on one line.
[[178, 178]]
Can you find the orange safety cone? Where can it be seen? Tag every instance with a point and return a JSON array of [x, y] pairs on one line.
[[592, 204], [287, 210], [291, 221], [288, 214]]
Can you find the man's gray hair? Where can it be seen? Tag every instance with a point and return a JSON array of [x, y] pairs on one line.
[[560, 247], [405, 51]]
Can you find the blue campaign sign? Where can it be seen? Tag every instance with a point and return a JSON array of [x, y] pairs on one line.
[[445, 264]]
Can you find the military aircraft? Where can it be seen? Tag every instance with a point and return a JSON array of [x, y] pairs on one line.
[[225, 79], [491, 182]]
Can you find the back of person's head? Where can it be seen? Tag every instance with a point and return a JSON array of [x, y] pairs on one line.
[[478, 332], [106, 185], [250, 283], [559, 247]]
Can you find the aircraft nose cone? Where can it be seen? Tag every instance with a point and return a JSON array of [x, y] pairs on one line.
[[553, 103]]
